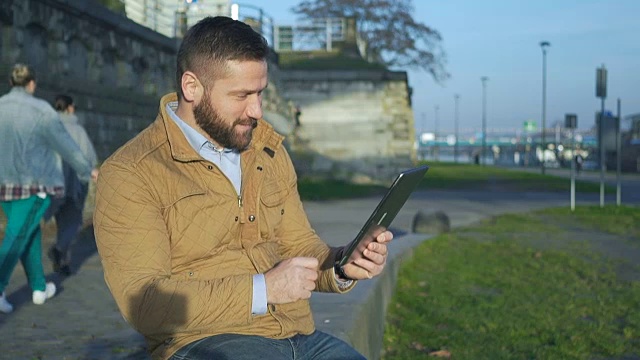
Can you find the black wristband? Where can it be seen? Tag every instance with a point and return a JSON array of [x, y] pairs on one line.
[[340, 272]]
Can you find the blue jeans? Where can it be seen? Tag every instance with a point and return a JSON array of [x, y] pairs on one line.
[[68, 215], [68, 210], [316, 346]]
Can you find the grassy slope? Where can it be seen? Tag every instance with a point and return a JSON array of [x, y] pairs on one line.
[[449, 176], [466, 176], [528, 286]]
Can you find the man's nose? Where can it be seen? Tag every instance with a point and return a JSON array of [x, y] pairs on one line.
[[254, 109]]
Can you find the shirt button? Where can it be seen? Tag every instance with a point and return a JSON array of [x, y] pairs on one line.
[[252, 218], [236, 218], [190, 273], [210, 167], [272, 307]]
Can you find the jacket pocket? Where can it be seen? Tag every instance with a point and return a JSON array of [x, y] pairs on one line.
[[273, 198], [274, 193]]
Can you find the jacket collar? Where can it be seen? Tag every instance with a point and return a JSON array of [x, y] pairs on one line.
[[20, 90], [265, 137], [68, 118]]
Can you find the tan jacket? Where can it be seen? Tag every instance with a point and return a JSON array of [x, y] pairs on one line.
[[179, 247]]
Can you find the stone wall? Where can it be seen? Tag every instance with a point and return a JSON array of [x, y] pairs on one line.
[[354, 124], [115, 69]]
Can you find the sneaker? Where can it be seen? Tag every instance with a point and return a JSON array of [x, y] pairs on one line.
[[5, 306], [39, 297], [64, 270]]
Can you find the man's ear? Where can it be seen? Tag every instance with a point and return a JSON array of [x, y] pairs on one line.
[[191, 87], [31, 86]]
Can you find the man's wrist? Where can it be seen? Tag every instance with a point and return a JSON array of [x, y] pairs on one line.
[[339, 270], [343, 282]]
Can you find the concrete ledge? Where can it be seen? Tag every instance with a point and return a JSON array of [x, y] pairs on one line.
[[358, 317]]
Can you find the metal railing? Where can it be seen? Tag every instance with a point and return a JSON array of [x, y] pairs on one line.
[[316, 34], [255, 17], [152, 14], [173, 18]]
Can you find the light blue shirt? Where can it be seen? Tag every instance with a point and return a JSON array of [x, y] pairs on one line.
[[228, 161]]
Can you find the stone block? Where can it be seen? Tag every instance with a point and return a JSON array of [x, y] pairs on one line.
[[436, 222]]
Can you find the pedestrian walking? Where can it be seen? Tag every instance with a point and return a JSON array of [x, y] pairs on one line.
[[68, 210], [31, 134], [579, 161]]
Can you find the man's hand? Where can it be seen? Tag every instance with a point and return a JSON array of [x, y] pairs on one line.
[[291, 280], [94, 174], [373, 260]]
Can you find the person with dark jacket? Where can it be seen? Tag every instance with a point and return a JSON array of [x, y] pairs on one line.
[[68, 209]]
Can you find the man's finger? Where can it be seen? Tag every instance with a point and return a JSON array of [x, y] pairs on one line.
[[378, 248], [385, 237]]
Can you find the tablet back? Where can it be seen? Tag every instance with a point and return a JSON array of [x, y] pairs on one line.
[[385, 212]]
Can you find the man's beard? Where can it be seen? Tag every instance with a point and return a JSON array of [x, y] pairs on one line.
[[215, 126]]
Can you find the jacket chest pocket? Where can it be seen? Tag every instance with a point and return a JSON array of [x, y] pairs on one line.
[[201, 224], [272, 204]]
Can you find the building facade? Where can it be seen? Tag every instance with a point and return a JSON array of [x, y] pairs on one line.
[[172, 17]]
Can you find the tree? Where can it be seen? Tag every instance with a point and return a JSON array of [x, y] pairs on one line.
[[392, 35], [116, 6]]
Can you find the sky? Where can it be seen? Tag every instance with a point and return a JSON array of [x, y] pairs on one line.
[[500, 39]]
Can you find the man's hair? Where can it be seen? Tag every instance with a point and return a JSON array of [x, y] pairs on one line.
[[21, 75], [62, 102], [213, 41]]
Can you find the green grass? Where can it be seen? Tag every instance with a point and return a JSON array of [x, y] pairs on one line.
[[324, 60], [508, 289], [450, 176], [623, 220], [453, 176]]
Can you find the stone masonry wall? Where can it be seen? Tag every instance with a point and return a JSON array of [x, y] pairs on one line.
[[115, 69], [356, 125]]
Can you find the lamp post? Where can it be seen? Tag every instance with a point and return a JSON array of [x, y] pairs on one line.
[[435, 133], [456, 98], [424, 152], [484, 80], [601, 92], [544, 45]]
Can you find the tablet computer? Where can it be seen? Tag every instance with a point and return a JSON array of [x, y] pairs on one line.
[[384, 213]]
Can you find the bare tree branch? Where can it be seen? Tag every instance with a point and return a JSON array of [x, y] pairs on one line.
[[394, 38]]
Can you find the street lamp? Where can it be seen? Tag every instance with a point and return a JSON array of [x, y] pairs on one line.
[[544, 45], [435, 133], [484, 80], [456, 97]]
